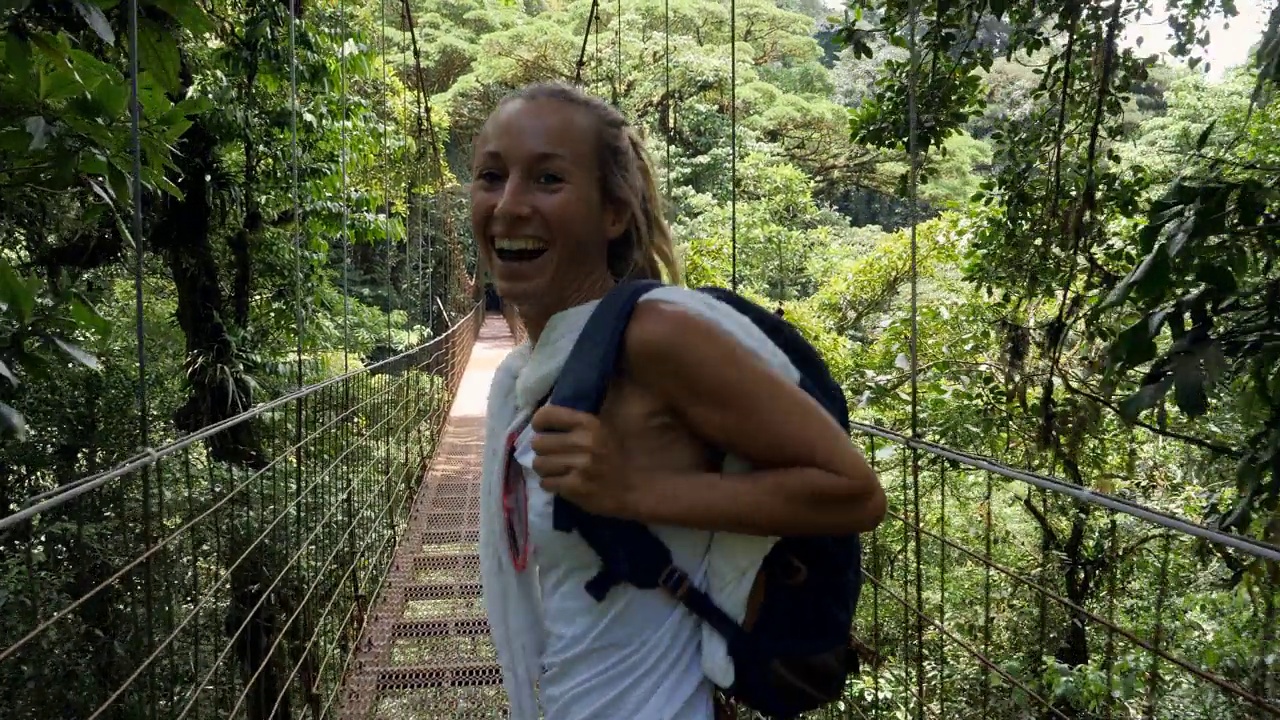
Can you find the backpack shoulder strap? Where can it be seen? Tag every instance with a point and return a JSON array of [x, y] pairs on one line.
[[629, 552], [582, 385], [591, 364]]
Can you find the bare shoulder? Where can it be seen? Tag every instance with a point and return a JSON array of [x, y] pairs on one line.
[[727, 394], [663, 336]]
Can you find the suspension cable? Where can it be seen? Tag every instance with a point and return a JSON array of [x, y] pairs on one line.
[[424, 113], [346, 209], [293, 190], [144, 414], [135, 142], [913, 19], [666, 105], [586, 35], [733, 141]]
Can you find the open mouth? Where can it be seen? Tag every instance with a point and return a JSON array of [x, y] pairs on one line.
[[518, 249]]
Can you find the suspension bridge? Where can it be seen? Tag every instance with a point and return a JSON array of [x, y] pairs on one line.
[[315, 553]]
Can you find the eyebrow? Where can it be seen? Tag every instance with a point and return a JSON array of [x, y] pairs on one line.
[[537, 157]]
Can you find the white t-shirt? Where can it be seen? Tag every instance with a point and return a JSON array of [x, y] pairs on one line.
[[634, 656]]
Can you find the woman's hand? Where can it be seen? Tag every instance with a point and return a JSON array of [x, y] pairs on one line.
[[577, 458]]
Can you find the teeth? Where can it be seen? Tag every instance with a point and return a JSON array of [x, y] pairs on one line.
[[519, 244]]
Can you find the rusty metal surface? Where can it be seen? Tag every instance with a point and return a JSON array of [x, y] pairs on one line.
[[426, 652]]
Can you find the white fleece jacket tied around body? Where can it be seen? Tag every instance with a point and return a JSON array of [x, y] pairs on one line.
[[511, 598]]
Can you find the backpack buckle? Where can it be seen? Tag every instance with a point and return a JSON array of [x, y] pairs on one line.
[[674, 581]]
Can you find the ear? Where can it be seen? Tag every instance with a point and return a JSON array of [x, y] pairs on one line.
[[616, 217]]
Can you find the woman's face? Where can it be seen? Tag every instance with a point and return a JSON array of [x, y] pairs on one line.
[[537, 210]]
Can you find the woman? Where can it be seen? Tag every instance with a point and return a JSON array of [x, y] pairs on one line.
[[564, 205]]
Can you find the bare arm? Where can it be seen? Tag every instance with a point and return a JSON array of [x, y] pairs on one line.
[[809, 478]]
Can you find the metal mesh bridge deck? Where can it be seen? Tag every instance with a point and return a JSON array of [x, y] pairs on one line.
[[425, 651]]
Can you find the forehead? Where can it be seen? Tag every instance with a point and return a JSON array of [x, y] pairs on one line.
[[525, 130]]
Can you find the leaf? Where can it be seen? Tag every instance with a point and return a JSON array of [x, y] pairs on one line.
[[1153, 274], [76, 353], [15, 294], [158, 54], [1218, 277], [902, 362], [1144, 399], [12, 420], [7, 374], [1204, 135], [97, 20], [17, 55], [1188, 386], [189, 14], [87, 317], [101, 191]]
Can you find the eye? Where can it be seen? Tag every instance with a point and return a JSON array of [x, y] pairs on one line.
[[489, 177], [549, 178]]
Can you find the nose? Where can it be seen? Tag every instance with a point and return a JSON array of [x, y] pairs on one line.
[[514, 200]]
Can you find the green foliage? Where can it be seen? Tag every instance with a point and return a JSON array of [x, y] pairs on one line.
[[1092, 244]]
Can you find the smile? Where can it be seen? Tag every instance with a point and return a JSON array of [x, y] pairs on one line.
[[518, 249]]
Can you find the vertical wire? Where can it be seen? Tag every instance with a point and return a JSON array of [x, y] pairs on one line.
[[666, 107], [912, 178], [986, 594], [297, 210], [345, 427], [144, 420], [346, 207], [1109, 651], [1158, 636], [942, 588], [733, 140], [386, 189], [300, 403], [875, 597], [386, 163], [617, 53], [135, 140], [431, 261], [912, 172]]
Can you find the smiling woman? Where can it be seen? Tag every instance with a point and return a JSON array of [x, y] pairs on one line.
[[560, 223], [561, 220]]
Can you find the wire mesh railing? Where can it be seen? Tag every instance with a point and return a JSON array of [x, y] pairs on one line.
[[998, 593], [204, 589]]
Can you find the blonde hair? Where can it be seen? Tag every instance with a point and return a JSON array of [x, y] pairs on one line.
[[645, 248]]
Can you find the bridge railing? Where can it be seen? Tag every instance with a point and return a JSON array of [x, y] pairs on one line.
[[178, 585], [999, 593]]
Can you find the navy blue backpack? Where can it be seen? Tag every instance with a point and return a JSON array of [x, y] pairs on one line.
[[795, 648]]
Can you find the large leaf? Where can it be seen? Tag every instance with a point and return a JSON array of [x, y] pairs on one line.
[[1188, 386], [15, 294], [189, 14], [1145, 399], [97, 20], [158, 54], [87, 317], [17, 55], [13, 421], [77, 353]]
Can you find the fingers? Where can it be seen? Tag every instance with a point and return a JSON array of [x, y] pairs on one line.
[[554, 466], [565, 448], [550, 443]]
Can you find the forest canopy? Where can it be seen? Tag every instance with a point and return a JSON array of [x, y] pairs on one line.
[[1087, 232]]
